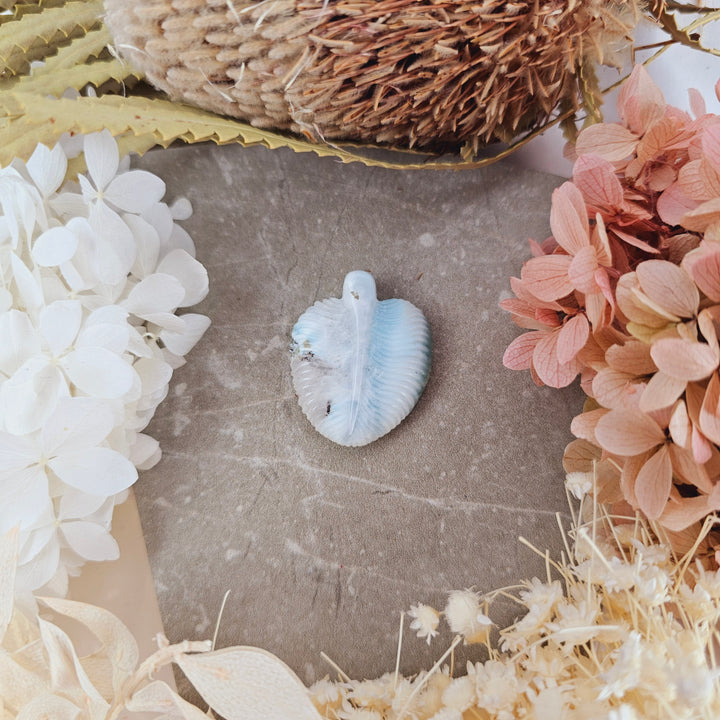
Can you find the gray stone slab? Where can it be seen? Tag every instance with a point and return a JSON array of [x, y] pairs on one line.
[[323, 546]]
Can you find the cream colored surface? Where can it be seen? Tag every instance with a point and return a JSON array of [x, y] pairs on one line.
[[125, 586]]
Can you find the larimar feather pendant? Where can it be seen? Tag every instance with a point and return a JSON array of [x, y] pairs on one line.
[[359, 365]]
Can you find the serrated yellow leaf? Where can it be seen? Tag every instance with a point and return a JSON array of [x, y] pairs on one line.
[[77, 52], [58, 81], [49, 27]]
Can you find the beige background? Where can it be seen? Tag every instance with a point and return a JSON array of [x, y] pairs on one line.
[[323, 546]]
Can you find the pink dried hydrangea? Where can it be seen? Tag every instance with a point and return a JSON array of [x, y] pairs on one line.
[[626, 296]]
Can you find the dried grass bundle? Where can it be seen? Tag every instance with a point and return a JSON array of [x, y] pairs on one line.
[[418, 73]]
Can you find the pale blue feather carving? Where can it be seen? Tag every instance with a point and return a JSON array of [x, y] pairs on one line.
[[359, 365]]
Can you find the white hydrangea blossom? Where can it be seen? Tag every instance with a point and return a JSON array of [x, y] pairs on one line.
[[91, 278]]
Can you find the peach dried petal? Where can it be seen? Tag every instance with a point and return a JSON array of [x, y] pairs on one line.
[[683, 359], [710, 410], [568, 218], [611, 141], [628, 432], [572, 338], [674, 204], [595, 178], [669, 287], [632, 357], [653, 483], [582, 270], [547, 366], [547, 277], [661, 392]]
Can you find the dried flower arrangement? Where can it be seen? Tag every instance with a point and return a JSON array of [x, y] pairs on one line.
[[450, 74], [624, 630], [91, 276], [625, 294]]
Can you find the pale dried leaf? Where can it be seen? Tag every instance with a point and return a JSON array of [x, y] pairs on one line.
[[547, 365], [632, 357], [49, 707], [612, 141], [674, 204], [66, 671], [568, 218], [683, 359], [244, 683], [628, 432], [653, 483], [18, 683], [159, 697], [580, 456], [595, 178], [679, 425], [572, 338], [661, 392], [669, 287], [710, 410]]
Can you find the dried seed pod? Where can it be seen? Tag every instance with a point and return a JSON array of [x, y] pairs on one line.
[[409, 73]]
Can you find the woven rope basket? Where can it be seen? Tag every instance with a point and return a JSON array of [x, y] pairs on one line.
[[432, 74]]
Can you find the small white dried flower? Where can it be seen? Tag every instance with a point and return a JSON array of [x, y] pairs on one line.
[[465, 617], [326, 694], [498, 687], [425, 621], [575, 624], [460, 694], [579, 484], [626, 671]]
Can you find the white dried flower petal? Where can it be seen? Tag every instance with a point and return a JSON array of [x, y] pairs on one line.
[[579, 483], [101, 157], [20, 340], [59, 324], [47, 168], [90, 540], [191, 274], [99, 471], [71, 403], [460, 694], [134, 191], [54, 247], [425, 621], [465, 617]]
